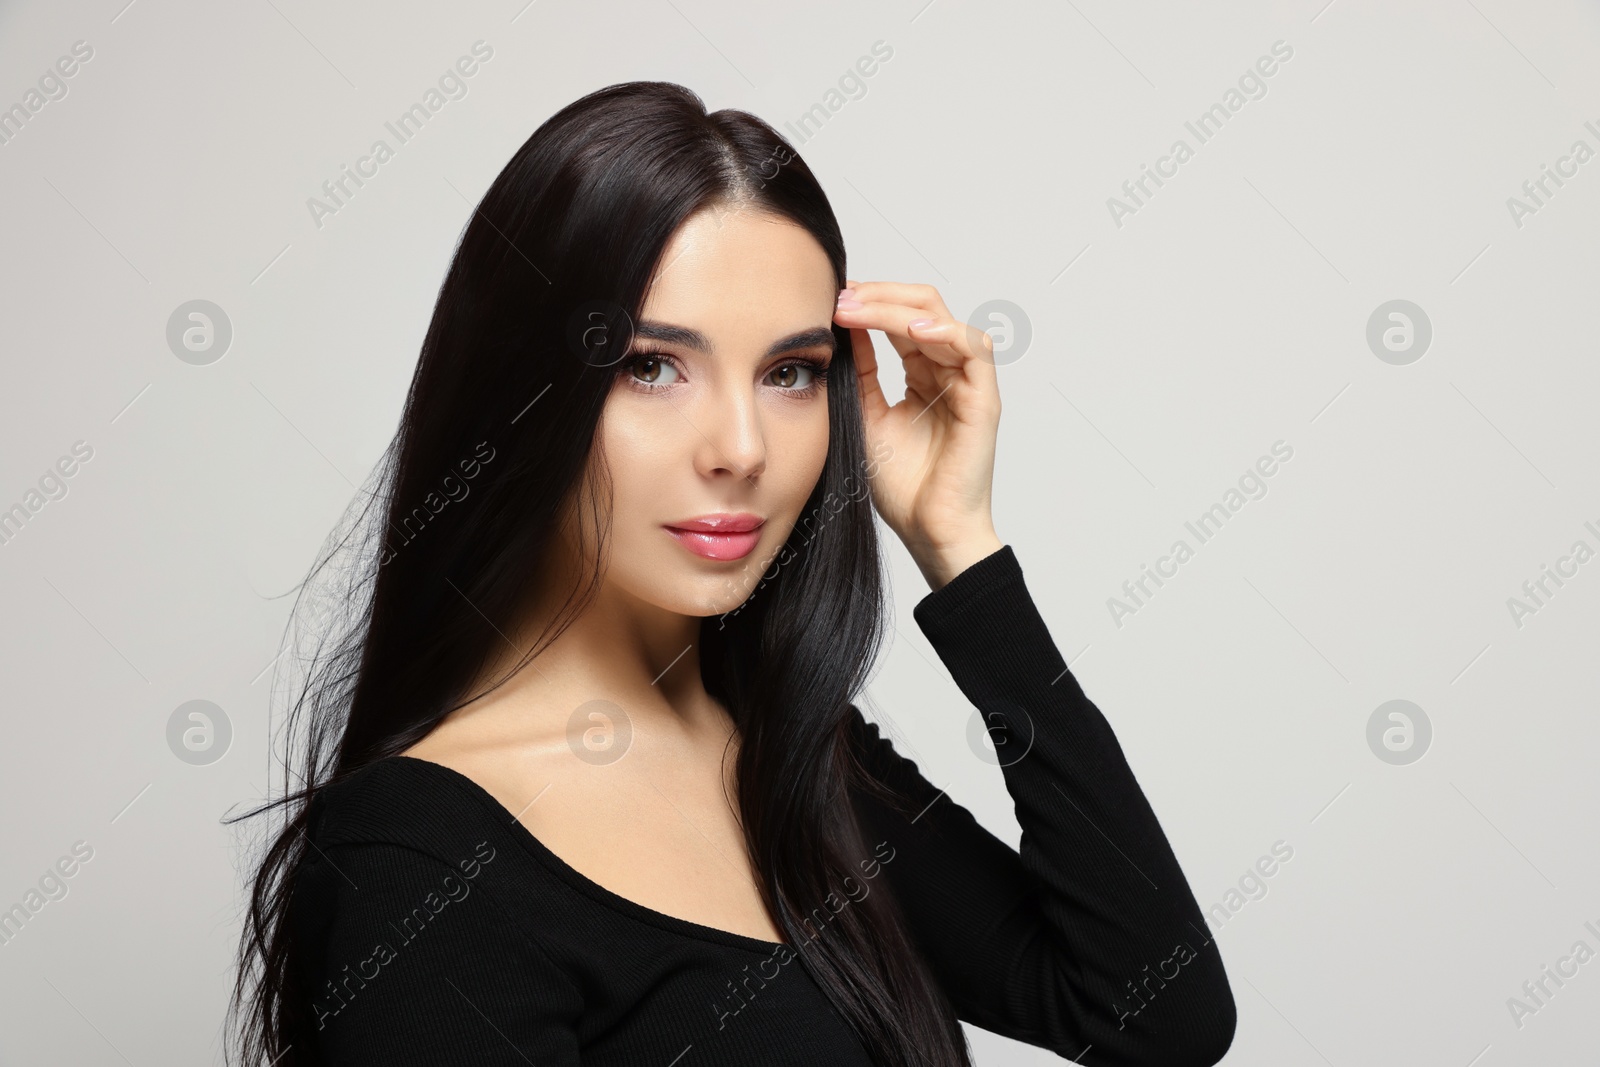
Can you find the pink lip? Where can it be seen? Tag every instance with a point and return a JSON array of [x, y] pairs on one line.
[[719, 537]]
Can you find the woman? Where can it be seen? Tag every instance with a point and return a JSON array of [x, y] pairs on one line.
[[585, 782]]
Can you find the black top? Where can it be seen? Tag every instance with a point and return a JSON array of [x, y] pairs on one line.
[[441, 931]]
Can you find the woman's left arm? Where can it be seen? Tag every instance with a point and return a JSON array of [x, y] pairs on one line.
[[1089, 941]]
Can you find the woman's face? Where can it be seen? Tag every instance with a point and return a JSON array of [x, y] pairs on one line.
[[718, 411]]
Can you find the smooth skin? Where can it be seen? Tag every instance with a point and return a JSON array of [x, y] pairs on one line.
[[728, 427]]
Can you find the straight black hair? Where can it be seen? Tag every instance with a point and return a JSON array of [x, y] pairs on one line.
[[529, 329]]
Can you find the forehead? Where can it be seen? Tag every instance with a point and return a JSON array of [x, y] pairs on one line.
[[742, 273]]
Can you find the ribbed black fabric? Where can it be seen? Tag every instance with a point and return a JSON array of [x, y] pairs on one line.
[[437, 930]]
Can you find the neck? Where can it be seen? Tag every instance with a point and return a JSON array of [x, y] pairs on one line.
[[641, 657]]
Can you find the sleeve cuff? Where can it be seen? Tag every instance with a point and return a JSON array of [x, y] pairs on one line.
[[996, 571]]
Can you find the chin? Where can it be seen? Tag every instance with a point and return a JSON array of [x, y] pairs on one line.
[[708, 593], [699, 587]]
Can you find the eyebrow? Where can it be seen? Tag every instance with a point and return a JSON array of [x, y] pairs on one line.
[[688, 338]]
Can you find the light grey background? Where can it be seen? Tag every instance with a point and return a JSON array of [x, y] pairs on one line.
[[1168, 354]]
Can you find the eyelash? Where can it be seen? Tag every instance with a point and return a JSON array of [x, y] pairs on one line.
[[819, 372]]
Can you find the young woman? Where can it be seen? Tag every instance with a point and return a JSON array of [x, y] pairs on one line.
[[584, 782]]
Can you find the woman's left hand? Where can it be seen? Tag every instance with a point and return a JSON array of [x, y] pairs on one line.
[[933, 482]]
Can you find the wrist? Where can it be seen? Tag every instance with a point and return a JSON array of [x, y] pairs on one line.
[[940, 563]]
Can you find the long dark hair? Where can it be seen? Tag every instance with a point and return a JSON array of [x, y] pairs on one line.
[[450, 531]]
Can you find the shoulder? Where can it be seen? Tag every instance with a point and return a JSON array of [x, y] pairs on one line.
[[405, 804], [866, 737], [406, 874], [389, 834], [886, 773]]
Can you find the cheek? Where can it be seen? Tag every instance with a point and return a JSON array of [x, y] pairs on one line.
[[641, 453], [819, 450], [807, 448]]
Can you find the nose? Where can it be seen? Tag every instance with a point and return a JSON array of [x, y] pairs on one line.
[[733, 437]]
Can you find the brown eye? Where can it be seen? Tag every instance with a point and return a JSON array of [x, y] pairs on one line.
[[647, 370], [788, 373]]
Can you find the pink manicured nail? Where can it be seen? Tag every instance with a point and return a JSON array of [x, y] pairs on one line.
[[847, 294], [849, 305], [919, 324]]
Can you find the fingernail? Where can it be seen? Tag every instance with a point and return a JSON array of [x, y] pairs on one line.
[[847, 294], [919, 324], [849, 305]]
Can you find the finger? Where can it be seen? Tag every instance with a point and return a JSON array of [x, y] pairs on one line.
[[899, 338], [914, 295], [923, 377], [934, 337], [873, 403]]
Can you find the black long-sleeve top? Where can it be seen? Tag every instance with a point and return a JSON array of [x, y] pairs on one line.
[[436, 929]]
